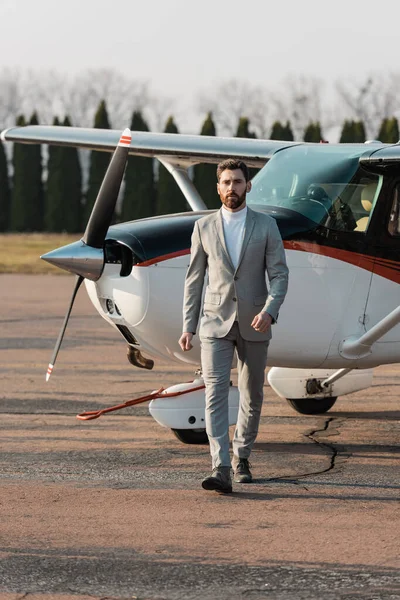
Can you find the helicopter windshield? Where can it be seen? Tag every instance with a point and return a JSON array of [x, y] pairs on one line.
[[325, 183]]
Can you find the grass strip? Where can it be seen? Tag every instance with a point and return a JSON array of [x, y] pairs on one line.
[[20, 252]]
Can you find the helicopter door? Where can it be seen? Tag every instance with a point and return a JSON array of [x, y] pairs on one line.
[[385, 289]]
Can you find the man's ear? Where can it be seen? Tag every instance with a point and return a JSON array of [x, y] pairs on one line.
[[218, 189], [248, 186]]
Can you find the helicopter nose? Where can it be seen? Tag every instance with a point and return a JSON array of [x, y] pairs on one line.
[[78, 258]]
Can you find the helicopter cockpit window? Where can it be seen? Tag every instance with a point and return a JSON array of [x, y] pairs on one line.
[[325, 183], [394, 218]]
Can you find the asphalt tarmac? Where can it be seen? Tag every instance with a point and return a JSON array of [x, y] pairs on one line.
[[113, 508]]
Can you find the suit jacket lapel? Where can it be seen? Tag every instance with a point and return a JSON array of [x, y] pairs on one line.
[[248, 230], [220, 233]]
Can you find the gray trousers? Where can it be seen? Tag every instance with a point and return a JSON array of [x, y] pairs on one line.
[[216, 363]]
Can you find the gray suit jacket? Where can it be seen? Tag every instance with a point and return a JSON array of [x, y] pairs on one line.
[[234, 294]]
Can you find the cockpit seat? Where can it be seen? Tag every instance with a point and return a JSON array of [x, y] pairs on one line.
[[367, 201]]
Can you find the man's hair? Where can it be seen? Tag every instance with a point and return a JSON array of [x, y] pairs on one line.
[[232, 164]]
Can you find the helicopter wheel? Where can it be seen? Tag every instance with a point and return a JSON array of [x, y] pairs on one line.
[[312, 406], [191, 436]]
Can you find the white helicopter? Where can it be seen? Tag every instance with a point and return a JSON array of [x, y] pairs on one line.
[[338, 211]]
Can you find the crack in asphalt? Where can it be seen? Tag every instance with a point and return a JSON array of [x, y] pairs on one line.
[[294, 479], [330, 447]]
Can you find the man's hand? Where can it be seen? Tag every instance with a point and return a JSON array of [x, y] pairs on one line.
[[262, 322], [185, 341]]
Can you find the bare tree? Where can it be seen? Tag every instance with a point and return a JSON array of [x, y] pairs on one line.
[[371, 100], [259, 113], [44, 93], [51, 93], [11, 96], [233, 99], [299, 101], [122, 96], [158, 110]]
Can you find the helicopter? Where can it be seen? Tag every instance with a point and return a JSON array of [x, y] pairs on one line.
[[337, 207]]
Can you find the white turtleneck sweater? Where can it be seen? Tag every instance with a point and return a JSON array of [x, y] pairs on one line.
[[233, 224]]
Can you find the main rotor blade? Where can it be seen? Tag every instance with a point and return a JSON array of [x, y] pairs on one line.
[[79, 280], [103, 209]]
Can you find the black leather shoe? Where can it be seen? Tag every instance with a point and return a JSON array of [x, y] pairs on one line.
[[241, 470], [219, 480]]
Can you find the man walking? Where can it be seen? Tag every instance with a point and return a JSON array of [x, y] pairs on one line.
[[237, 247]]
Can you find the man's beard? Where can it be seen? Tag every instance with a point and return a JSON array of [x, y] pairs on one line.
[[233, 201]]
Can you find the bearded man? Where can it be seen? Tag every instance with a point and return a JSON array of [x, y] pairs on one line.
[[237, 247]]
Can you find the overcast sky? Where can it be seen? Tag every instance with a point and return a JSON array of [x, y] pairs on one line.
[[184, 46]]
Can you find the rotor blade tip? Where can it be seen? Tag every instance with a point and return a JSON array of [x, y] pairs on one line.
[[126, 137], [49, 371]]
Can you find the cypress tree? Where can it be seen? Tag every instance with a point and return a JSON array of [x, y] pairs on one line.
[[98, 162], [37, 188], [71, 177], [5, 195], [352, 132], [54, 213], [64, 188], [205, 179], [19, 197], [389, 131], [243, 131], [313, 133], [27, 208], [139, 195], [287, 133], [359, 132], [394, 131], [276, 131], [346, 134], [282, 132], [383, 130], [169, 197]]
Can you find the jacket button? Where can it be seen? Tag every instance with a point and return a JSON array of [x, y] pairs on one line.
[[235, 278], [234, 299]]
